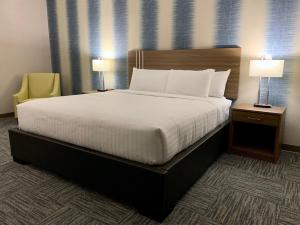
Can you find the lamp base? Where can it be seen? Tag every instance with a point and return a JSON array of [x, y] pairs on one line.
[[262, 105]]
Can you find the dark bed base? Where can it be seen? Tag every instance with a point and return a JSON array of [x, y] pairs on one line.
[[154, 190]]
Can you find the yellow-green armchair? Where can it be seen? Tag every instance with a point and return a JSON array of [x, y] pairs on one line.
[[37, 85]]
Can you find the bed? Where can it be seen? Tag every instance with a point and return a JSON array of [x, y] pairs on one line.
[[137, 147]]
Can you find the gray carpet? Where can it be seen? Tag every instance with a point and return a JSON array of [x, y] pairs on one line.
[[235, 190]]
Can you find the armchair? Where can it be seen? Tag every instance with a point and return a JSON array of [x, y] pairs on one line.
[[37, 85]]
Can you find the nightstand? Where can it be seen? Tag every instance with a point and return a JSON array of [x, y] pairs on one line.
[[256, 132]]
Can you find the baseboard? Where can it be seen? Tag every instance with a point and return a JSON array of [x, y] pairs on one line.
[[291, 148], [4, 115]]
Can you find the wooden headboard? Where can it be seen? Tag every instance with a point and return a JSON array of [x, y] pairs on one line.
[[191, 59]]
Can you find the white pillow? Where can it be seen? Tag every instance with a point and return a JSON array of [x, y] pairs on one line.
[[218, 83], [149, 80], [188, 82]]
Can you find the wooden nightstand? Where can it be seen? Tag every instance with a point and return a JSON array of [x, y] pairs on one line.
[[256, 132]]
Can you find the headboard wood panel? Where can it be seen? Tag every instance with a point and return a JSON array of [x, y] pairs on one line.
[[194, 59]]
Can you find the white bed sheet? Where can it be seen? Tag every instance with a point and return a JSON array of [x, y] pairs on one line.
[[142, 126]]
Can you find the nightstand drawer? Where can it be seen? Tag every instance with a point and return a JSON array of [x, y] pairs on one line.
[[258, 118]]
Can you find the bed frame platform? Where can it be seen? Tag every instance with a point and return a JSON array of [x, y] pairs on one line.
[[154, 190]]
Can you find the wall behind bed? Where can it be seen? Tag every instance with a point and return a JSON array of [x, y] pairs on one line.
[[84, 29]]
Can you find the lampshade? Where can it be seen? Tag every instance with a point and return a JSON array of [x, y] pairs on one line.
[[266, 68], [100, 65]]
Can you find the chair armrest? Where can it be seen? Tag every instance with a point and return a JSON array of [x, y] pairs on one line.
[[23, 92], [20, 96], [56, 87]]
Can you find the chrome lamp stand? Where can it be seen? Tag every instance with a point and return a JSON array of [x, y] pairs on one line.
[[263, 105]]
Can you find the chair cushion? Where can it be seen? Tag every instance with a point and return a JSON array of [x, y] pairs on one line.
[[40, 84]]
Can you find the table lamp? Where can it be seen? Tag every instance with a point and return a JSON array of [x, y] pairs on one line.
[[265, 68], [100, 66]]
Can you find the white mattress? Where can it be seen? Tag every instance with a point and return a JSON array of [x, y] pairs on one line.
[[142, 126]]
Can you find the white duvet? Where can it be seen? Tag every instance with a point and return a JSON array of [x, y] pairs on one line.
[[142, 126]]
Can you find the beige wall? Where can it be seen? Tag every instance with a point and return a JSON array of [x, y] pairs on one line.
[[24, 45]]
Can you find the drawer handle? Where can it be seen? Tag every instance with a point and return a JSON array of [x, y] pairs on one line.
[[253, 118]]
